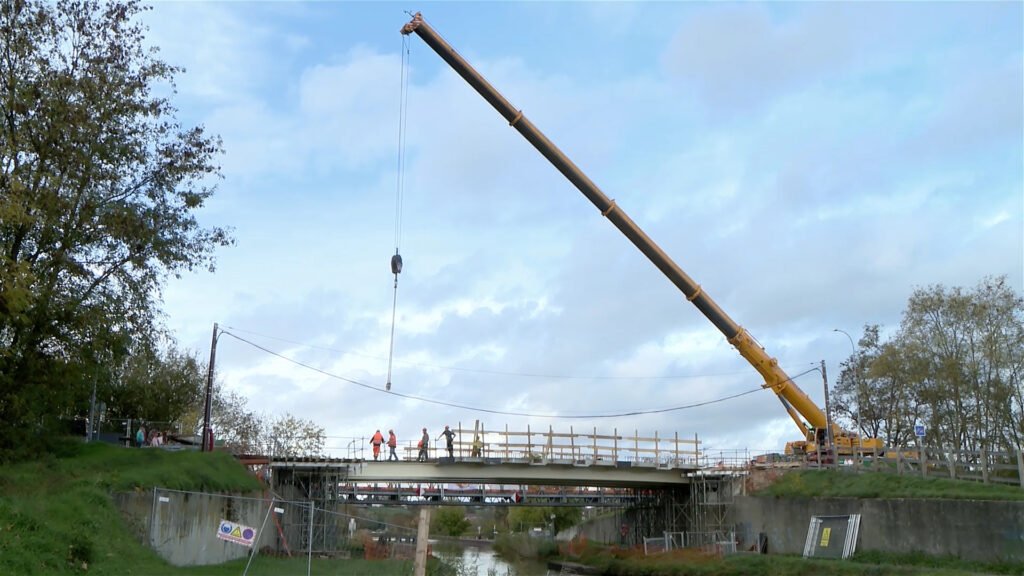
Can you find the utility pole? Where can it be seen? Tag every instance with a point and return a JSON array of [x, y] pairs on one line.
[[208, 407], [828, 415], [422, 534]]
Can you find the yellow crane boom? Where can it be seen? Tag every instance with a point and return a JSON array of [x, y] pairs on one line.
[[798, 404]]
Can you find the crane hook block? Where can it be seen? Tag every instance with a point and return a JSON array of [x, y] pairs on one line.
[[396, 264]]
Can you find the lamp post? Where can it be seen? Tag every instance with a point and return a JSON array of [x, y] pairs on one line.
[[856, 383]]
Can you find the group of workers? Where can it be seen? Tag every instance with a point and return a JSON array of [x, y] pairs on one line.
[[377, 440]]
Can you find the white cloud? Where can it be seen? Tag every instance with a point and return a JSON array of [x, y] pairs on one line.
[[803, 196]]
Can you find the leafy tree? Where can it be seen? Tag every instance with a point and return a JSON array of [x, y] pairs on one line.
[[291, 436], [540, 516], [156, 386], [99, 186], [245, 431], [955, 365], [450, 520], [968, 347]]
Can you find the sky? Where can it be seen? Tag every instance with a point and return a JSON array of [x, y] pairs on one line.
[[809, 164]]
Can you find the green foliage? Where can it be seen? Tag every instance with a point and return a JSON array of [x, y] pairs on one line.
[[58, 517], [450, 521], [517, 545], [155, 386], [527, 517], [99, 186], [956, 365], [922, 560], [833, 484], [692, 563]]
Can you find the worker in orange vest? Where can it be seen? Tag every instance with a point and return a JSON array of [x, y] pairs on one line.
[[377, 440], [392, 444]]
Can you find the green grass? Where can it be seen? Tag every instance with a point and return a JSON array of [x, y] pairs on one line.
[[843, 484], [924, 561], [57, 516], [689, 563], [263, 566]]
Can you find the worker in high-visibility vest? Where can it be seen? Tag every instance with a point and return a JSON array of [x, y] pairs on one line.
[[376, 441]]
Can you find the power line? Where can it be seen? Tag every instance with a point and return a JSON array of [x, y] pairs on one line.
[[493, 372], [500, 412]]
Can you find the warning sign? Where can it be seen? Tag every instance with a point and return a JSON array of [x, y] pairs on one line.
[[236, 533], [825, 534]]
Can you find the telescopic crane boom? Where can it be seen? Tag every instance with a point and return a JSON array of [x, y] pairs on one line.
[[797, 403]]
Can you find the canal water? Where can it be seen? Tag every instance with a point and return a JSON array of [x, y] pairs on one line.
[[470, 560]]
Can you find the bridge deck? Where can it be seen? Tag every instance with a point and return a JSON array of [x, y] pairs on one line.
[[498, 471]]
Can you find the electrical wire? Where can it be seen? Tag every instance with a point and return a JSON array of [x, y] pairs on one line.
[[504, 412], [493, 372]]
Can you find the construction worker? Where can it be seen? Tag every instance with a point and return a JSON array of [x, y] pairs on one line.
[[376, 441], [423, 445], [449, 437], [392, 444]]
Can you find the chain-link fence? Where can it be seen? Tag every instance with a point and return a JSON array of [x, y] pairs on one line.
[[190, 528]]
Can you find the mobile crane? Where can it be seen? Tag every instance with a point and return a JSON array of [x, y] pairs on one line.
[[811, 419]]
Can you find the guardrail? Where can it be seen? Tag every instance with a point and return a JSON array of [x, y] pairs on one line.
[[984, 466], [537, 446], [587, 448]]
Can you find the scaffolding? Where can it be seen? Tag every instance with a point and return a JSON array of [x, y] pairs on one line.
[[711, 500], [324, 532]]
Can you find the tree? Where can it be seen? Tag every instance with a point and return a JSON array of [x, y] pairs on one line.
[[155, 386], [955, 365], [968, 346], [99, 186], [291, 436], [244, 431], [450, 520], [540, 516]]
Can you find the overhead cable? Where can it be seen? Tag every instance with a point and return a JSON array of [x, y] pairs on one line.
[[501, 412]]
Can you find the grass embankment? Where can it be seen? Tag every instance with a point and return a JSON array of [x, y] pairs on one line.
[[691, 563], [57, 516], [843, 484]]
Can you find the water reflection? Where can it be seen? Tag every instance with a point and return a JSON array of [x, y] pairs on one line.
[[470, 560]]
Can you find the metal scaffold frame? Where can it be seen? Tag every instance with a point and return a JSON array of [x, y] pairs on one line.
[[321, 488], [711, 499]]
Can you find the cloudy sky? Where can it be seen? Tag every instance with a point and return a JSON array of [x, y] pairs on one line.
[[809, 164]]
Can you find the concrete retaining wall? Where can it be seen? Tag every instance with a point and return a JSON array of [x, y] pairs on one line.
[[183, 529], [604, 529], [972, 530]]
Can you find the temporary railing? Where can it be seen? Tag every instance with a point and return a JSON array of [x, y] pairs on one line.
[[571, 447]]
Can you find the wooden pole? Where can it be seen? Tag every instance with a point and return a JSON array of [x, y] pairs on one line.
[[422, 534], [1020, 466], [676, 455], [984, 465], [922, 458]]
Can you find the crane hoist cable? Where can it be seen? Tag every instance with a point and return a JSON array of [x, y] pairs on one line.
[[396, 259]]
